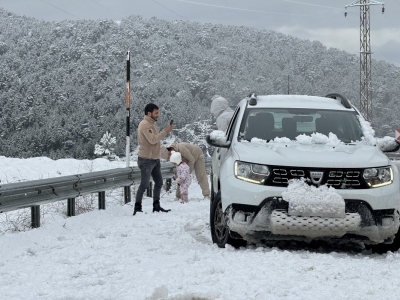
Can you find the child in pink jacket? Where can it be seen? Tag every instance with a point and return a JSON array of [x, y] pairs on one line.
[[183, 176]]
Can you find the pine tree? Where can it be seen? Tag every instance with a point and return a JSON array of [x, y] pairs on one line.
[[105, 148], [196, 134]]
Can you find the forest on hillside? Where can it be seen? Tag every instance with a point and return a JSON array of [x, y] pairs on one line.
[[62, 84]]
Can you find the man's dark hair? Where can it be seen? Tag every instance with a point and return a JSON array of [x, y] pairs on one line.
[[150, 108]]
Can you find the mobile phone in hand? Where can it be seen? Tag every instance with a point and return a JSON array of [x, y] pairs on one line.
[[171, 122]]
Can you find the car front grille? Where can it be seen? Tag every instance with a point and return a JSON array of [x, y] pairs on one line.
[[337, 178]]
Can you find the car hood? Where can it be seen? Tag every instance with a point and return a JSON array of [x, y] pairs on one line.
[[314, 155]]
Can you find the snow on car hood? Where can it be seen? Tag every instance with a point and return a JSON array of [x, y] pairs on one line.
[[313, 155]]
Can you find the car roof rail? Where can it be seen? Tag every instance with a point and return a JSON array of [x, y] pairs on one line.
[[252, 99], [343, 99]]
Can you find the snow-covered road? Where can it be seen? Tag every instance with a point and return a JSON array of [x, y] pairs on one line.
[[111, 254]]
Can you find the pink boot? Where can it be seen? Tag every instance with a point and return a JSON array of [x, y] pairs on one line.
[[184, 198]]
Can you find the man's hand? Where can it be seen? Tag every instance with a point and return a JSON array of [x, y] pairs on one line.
[[168, 129]]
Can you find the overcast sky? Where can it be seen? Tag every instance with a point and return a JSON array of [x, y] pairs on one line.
[[321, 20]]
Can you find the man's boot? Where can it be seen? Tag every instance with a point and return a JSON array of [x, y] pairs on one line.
[[138, 208], [157, 207]]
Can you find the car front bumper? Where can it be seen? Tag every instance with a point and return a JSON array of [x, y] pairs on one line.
[[234, 190], [271, 221]]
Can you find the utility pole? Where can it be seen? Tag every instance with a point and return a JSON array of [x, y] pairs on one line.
[[127, 189], [365, 55], [128, 106]]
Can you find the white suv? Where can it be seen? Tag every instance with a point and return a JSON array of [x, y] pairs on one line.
[[276, 140]]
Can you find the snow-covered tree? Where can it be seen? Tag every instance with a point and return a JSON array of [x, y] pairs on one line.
[[53, 75], [196, 133], [105, 148]]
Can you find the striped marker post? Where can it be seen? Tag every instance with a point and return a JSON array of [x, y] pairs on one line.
[[127, 189]]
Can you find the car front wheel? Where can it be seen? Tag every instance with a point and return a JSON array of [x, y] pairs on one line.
[[383, 248], [219, 228]]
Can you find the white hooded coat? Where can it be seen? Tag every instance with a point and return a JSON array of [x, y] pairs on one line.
[[222, 112]]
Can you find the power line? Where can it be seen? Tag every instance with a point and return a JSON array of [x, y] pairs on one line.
[[152, 0], [170, 10], [58, 8], [226, 7], [310, 4], [388, 17], [365, 55], [242, 9], [107, 8], [377, 51]]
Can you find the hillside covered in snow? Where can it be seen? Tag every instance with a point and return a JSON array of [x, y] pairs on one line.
[[62, 84]]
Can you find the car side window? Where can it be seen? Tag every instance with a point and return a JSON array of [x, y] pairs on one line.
[[232, 124]]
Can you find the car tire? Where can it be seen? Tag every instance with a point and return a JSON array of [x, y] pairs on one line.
[[383, 248], [219, 228]]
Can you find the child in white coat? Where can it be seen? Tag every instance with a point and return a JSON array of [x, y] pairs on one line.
[[182, 176]]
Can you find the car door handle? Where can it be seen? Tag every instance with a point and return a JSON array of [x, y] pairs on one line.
[[219, 157]]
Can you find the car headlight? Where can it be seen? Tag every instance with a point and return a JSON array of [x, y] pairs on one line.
[[251, 172], [376, 177]]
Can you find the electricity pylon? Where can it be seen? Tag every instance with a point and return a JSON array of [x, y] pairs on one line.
[[365, 55]]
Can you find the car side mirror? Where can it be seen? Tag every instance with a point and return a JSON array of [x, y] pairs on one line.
[[218, 139], [388, 144]]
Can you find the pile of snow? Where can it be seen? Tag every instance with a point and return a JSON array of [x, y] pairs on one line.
[[302, 139], [311, 201], [282, 140], [385, 144], [20, 169], [369, 133], [319, 138], [218, 136]]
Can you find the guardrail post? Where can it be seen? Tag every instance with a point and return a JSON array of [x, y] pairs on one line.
[[71, 207], [127, 194], [168, 184], [102, 200], [35, 216], [149, 192]]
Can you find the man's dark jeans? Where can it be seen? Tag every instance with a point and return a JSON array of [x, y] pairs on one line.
[[149, 167]]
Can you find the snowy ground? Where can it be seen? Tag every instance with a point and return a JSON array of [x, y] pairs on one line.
[[111, 254]]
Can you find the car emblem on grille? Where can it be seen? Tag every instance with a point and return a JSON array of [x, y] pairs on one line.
[[316, 177]]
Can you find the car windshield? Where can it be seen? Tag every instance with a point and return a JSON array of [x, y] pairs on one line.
[[270, 123]]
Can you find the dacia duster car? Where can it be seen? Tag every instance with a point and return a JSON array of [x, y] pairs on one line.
[[252, 167]]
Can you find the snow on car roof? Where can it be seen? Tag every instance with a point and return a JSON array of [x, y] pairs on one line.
[[298, 101]]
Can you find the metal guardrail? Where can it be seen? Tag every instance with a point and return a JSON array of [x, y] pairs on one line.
[[34, 193], [208, 161]]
